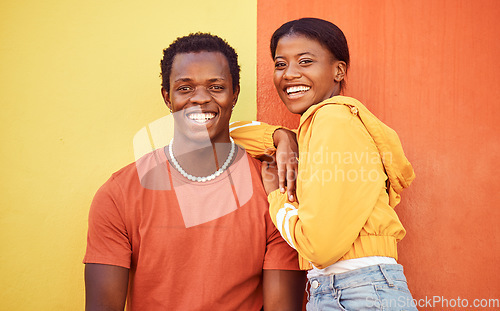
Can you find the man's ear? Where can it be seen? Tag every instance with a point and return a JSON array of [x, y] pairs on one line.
[[236, 93], [340, 69], [166, 98]]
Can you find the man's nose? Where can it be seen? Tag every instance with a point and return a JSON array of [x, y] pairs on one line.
[[201, 96]]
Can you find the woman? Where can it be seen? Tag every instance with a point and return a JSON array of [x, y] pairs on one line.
[[351, 171]]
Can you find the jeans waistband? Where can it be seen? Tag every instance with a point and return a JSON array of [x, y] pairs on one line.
[[376, 273]]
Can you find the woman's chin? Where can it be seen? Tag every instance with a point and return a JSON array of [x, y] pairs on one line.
[[296, 108]]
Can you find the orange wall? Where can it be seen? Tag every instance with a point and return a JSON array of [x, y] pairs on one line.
[[430, 70]]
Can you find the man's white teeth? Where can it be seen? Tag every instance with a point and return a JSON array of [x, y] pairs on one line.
[[201, 117], [295, 89]]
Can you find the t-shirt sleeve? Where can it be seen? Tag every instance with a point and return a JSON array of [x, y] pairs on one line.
[[107, 237], [279, 255]]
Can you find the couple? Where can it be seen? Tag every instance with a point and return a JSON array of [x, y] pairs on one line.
[[189, 226]]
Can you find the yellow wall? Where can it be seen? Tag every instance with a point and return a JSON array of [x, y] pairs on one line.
[[78, 80]]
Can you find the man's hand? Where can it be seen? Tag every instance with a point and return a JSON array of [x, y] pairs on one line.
[[287, 152]]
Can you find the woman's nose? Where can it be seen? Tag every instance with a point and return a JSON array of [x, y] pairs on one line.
[[292, 72]]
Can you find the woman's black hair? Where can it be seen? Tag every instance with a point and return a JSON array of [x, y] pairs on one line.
[[198, 42], [325, 32]]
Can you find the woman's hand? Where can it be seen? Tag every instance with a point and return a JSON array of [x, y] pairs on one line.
[[286, 158], [269, 173], [280, 170]]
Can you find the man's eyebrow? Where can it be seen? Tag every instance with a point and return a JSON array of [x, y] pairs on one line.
[[183, 80], [216, 79], [209, 80]]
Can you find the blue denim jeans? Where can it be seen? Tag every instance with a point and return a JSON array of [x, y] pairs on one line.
[[378, 287]]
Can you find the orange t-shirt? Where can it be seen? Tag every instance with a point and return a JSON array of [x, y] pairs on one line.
[[188, 245]]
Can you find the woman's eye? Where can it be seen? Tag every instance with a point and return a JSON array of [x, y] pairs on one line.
[[305, 61], [279, 65]]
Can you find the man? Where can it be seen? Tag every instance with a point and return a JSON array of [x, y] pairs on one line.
[[187, 227]]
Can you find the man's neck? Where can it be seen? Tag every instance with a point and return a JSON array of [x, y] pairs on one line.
[[200, 158]]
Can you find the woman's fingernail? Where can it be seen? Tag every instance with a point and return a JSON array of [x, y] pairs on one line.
[[282, 190], [290, 197]]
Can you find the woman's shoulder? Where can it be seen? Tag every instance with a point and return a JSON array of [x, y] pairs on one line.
[[337, 106], [333, 115], [333, 110], [331, 120]]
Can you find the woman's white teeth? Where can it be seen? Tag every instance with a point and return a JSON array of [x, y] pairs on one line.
[[295, 89], [201, 117]]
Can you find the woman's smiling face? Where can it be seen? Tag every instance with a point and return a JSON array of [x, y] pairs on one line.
[[305, 72]]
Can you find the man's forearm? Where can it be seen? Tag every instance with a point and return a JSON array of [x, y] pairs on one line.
[[284, 290], [105, 287]]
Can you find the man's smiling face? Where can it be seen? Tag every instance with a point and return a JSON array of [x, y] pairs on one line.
[[201, 96]]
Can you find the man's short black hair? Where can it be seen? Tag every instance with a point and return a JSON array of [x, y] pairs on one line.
[[198, 42]]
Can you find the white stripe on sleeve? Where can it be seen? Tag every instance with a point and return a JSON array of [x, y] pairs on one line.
[[280, 216], [244, 125], [290, 214]]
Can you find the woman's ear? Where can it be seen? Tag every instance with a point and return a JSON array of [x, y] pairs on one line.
[[166, 98], [340, 69]]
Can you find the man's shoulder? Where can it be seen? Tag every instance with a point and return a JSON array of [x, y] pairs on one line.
[[135, 171], [255, 163]]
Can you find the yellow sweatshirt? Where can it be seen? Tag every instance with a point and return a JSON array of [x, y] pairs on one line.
[[351, 171]]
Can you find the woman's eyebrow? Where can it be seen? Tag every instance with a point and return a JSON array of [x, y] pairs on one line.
[[297, 55], [306, 53]]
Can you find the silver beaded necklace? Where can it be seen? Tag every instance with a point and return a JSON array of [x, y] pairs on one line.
[[206, 178]]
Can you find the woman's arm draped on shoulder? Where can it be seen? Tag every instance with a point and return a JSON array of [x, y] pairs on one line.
[[256, 137], [341, 177], [261, 140]]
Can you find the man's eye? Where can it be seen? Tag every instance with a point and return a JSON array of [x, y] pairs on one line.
[[217, 87], [183, 88]]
